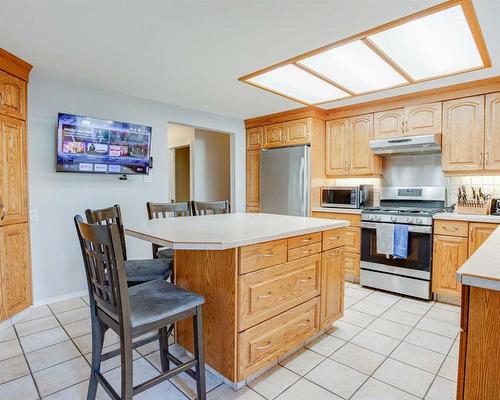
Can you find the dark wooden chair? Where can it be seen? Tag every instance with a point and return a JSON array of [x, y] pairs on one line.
[[133, 312], [165, 210], [210, 207], [137, 271]]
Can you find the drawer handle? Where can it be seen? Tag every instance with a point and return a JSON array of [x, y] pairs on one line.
[[454, 228], [306, 323], [306, 240], [306, 251], [266, 255], [264, 296], [305, 280], [269, 343], [335, 238]]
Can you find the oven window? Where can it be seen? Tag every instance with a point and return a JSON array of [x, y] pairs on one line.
[[419, 250], [339, 196]]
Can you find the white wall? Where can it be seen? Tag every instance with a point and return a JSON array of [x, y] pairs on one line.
[[212, 160], [56, 258]]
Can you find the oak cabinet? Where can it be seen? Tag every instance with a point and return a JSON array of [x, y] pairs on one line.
[[15, 270], [332, 299], [478, 233], [274, 135], [449, 253], [352, 263], [13, 172], [288, 133], [12, 96], [347, 147], [337, 147], [253, 178], [255, 138], [422, 119], [463, 134], [492, 132]]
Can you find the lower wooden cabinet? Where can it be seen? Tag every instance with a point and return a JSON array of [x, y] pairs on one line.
[[332, 299], [351, 266], [15, 271], [478, 233], [450, 252]]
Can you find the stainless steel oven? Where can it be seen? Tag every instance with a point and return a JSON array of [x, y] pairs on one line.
[[410, 276], [347, 196]]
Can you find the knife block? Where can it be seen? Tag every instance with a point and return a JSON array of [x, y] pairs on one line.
[[482, 208]]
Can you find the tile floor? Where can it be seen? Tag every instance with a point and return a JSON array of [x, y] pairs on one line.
[[386, 347]]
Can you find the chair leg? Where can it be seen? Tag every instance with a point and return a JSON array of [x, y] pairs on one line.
[[165, 363], [199, 355], [127, 367], [98, 331]]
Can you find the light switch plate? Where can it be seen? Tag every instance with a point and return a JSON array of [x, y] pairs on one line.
[[33, 214]]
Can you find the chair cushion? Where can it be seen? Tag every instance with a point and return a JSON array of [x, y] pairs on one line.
[[147, 270], [165, 252], [156, 300]]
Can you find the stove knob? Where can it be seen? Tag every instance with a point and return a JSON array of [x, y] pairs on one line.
[[378, 218], [409, 220], [393, 218], [370, 217], [418, 220]]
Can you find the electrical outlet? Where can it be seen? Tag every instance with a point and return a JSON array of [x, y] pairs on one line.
[[33, 214], [148, 178]]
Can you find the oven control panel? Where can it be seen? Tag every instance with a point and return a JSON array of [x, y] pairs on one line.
[[397, 219]]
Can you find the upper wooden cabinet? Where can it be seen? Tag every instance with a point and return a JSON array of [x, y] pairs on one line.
[[347, 147], [492, 132], [337, 147], [13, 172], [288, 133], [253, 178], [15, 270], [255, 138], [12, 96], [478, 233], [423, 119], [463, 134]]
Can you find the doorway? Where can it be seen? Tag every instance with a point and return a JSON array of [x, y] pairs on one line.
[[182, 157]]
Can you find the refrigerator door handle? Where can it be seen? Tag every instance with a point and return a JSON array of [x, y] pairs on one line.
[[303, 185]]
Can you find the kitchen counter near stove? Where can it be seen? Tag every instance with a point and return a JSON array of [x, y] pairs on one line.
[[467, 217]]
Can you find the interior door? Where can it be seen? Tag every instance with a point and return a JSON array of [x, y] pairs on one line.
[[337, 147], [13, 172]]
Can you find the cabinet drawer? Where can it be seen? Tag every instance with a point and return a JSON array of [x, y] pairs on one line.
[[264, 343], [264, 294], [262, 255], [451, 228], [354, 219], [304, 251], [352, 239], [333, 238], [303, 240]]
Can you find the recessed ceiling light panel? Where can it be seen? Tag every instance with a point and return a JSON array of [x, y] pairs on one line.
[[356, 67], [298, 84], [434, 45]]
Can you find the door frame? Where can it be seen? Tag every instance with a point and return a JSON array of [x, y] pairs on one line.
[[171, 189]]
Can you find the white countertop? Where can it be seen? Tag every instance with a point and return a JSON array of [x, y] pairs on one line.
[[482, 269], [468, 217], [225, 231], [338, 210]]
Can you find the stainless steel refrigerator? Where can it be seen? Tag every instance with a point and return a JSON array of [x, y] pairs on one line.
[[285, 181]]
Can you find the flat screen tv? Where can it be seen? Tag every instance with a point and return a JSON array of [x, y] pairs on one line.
[[94, 145]]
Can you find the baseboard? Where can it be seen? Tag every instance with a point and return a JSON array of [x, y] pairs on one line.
[[55, 299]]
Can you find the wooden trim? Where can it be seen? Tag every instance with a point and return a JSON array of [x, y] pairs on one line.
[[297, 113], [327, 80], [372, 46], [14, 65], [278, 93], [470, 17]]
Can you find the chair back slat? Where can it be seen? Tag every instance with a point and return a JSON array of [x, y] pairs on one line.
[[210, 207], [109, 216], [165, 210], [104, 266]]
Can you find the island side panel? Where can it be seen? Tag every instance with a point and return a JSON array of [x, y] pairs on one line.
[[212, 274]]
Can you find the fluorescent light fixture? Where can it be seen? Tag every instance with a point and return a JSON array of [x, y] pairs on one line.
[[298, 84], [356, 67], [434, 45]]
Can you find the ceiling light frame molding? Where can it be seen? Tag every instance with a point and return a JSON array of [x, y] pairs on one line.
[[472, 23]]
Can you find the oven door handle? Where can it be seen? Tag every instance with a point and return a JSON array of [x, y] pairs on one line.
[[411, 228]]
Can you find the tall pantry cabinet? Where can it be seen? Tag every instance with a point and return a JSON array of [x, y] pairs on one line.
[[15, 261]]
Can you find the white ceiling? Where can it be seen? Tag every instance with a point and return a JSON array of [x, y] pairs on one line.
[[191, 52]]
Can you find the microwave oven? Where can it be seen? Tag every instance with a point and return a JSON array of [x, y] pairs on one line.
[[347, 196]]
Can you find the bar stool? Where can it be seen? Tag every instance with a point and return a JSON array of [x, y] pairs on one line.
[[132, 312], [137, 271], [165, 210], [210, 207]]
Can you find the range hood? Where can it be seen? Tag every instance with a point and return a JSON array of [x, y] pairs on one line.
[[423, 144]]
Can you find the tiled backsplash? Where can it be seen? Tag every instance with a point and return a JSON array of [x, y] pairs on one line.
[[488, 184]]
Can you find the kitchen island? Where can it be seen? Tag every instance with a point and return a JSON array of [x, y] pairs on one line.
[[479, 356], [270, 282]]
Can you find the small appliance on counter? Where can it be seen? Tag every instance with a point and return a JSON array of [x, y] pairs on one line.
[[496, 207], [359, 196]]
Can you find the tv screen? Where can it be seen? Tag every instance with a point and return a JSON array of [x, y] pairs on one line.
[[100, 146]]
